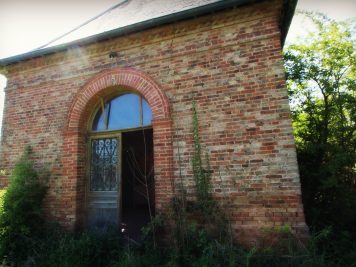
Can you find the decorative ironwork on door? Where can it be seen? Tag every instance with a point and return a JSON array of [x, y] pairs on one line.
[[104, 164], [104, 182]]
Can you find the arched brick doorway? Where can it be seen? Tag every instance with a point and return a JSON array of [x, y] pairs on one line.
[[71, 210]]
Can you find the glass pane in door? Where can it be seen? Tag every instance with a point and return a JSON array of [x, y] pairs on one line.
[[103, 167], [104, 181]]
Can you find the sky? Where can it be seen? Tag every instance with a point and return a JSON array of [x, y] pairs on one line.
[[27, 24]]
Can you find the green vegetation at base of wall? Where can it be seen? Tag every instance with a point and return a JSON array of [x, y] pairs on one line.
[[2, 194], [58, 248]]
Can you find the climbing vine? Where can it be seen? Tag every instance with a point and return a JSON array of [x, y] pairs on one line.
[[201, 170]]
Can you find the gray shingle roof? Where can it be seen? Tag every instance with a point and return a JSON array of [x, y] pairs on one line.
[[132, 12]]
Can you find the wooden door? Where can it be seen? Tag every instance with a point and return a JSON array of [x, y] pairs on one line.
[[104, 187]]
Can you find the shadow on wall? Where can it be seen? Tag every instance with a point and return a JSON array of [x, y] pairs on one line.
[[2, 99]]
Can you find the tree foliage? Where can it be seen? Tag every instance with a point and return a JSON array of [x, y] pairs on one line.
[[321, 83]]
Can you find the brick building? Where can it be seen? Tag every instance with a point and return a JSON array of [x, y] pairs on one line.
[[102, 110]]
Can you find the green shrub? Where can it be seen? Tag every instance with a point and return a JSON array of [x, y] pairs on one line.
[[21, 218], [2, 194], [90, 248]]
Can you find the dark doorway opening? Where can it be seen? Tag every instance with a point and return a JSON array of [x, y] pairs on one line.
[[137, 181]]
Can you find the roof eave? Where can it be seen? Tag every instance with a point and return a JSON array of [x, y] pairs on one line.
[[286, 18]]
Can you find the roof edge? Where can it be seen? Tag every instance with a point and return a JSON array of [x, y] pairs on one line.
[[289, 7]]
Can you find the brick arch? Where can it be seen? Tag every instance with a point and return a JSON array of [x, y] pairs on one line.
[[71, 204], [127, 77]]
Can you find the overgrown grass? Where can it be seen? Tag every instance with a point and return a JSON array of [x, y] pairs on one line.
[[110, 249]]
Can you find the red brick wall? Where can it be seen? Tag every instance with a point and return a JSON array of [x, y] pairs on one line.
[[230, 62]]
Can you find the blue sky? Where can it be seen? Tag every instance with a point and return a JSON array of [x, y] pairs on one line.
[[28, 24]]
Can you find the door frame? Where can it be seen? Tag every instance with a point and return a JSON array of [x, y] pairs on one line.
[[107, 134]]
